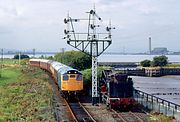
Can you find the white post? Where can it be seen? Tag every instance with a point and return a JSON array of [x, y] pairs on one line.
[[1, 63], [34, 51], [19, 58]]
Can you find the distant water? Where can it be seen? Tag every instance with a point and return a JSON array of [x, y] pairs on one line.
[[166, 87], [134, 58], [118, 58], [37, 55]]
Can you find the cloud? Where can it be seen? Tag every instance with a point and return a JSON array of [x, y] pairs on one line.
[[107, 1], [7, 12], [10, 11], [42, 20]]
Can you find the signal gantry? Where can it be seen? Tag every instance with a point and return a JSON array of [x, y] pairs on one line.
[[90, 42]]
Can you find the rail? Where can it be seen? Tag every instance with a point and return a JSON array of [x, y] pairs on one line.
[[117, 116], [128, 116], [139, 118], [79, 113], [87, 112]]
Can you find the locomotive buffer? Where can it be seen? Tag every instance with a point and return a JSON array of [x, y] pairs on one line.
[[91, 42]]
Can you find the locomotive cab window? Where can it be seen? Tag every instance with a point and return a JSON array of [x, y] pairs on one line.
[[65, 77], [79, 77]]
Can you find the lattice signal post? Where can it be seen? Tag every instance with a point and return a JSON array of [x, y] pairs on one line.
[[91, 42]]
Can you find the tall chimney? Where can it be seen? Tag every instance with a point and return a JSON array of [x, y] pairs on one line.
[[150, 45]]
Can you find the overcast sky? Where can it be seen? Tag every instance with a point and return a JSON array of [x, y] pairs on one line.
[[28, 24]]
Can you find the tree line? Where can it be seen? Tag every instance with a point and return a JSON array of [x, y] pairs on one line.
[[157, 61], [82, 61], [75, 59]]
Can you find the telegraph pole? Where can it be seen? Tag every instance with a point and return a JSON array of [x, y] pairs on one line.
[[90, 42], [19, 58], [34, 51], [1, 63], [62, 50]]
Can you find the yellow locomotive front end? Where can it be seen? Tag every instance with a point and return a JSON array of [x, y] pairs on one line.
[[72, 81]]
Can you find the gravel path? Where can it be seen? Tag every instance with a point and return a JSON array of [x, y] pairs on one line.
[[100, 113], [61, 111]]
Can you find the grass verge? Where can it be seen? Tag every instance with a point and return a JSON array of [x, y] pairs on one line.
[[173, 65], [158, 117], [25, 95], [9, 75]]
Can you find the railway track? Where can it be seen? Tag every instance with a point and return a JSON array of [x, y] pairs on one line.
[[129, 116], [80, 114], [75, 111], [141, 116], [68, 111]]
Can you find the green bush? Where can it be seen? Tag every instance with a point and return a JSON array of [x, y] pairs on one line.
[[160, 61], [145, 63], [22, 56], [87, 74]]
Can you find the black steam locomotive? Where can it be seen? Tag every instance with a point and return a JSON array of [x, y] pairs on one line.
[[117, 89]]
